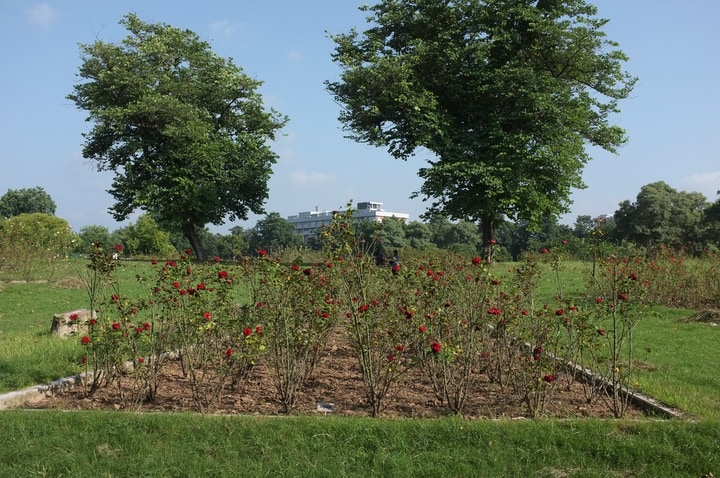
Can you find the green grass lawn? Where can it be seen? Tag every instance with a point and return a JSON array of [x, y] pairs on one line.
[[55, 443], [679, 362]]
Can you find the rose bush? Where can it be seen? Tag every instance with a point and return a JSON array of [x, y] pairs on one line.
[[298, 307]]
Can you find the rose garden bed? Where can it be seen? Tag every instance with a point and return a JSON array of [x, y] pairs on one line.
[[337, 380]]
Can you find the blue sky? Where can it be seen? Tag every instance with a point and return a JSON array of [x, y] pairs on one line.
[[672, 118]]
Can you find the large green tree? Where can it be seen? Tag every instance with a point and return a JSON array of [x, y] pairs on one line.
[[184, 130], [662, 215], [418, 235], [145, 237], [94, 234], [711, 223], [26, 201], [29, 240], [507, 94], [274, 233]]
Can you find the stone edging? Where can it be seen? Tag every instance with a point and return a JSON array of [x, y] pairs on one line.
[[38, 392], [646, 403]]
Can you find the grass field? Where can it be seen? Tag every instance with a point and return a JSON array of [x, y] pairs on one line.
[[679, 367], [54, 443]]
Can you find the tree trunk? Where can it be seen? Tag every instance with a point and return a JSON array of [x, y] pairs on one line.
[[488, 235], [190, 232]]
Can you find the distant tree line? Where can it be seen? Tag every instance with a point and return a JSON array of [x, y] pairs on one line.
[[659, 216]]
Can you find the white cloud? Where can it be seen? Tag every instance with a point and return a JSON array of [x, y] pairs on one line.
[[294, 55], [302, 178], [707, 183], [223, 28], [42, 15]]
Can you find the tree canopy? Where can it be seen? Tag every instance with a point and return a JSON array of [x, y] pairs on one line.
[[145, 238], [26, 201], [273, 233], [28, 240], [94, 234], [506, 94], [662, 215], [184, 130]]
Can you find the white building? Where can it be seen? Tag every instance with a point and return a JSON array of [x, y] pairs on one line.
[[308, 223]]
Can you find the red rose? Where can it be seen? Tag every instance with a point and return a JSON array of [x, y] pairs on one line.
[[188, 251], [435, 347], [118, 247], [176, 284], [116, 326], [216, 259], [85, 340], [207, 316], [146, 325], [598, 300], [537, 351], [262, 252], [622, 296], [422, 329], [74, 316], [229, 352], [391, 357], [399, 347], [559, 312], [549, 378], [189, 271], [476, 260], [543, 250], [601, 331], [92, 321], [247, 332], [153, 262], [222, 275], [201, 286], [258, 329], [141, 359]]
